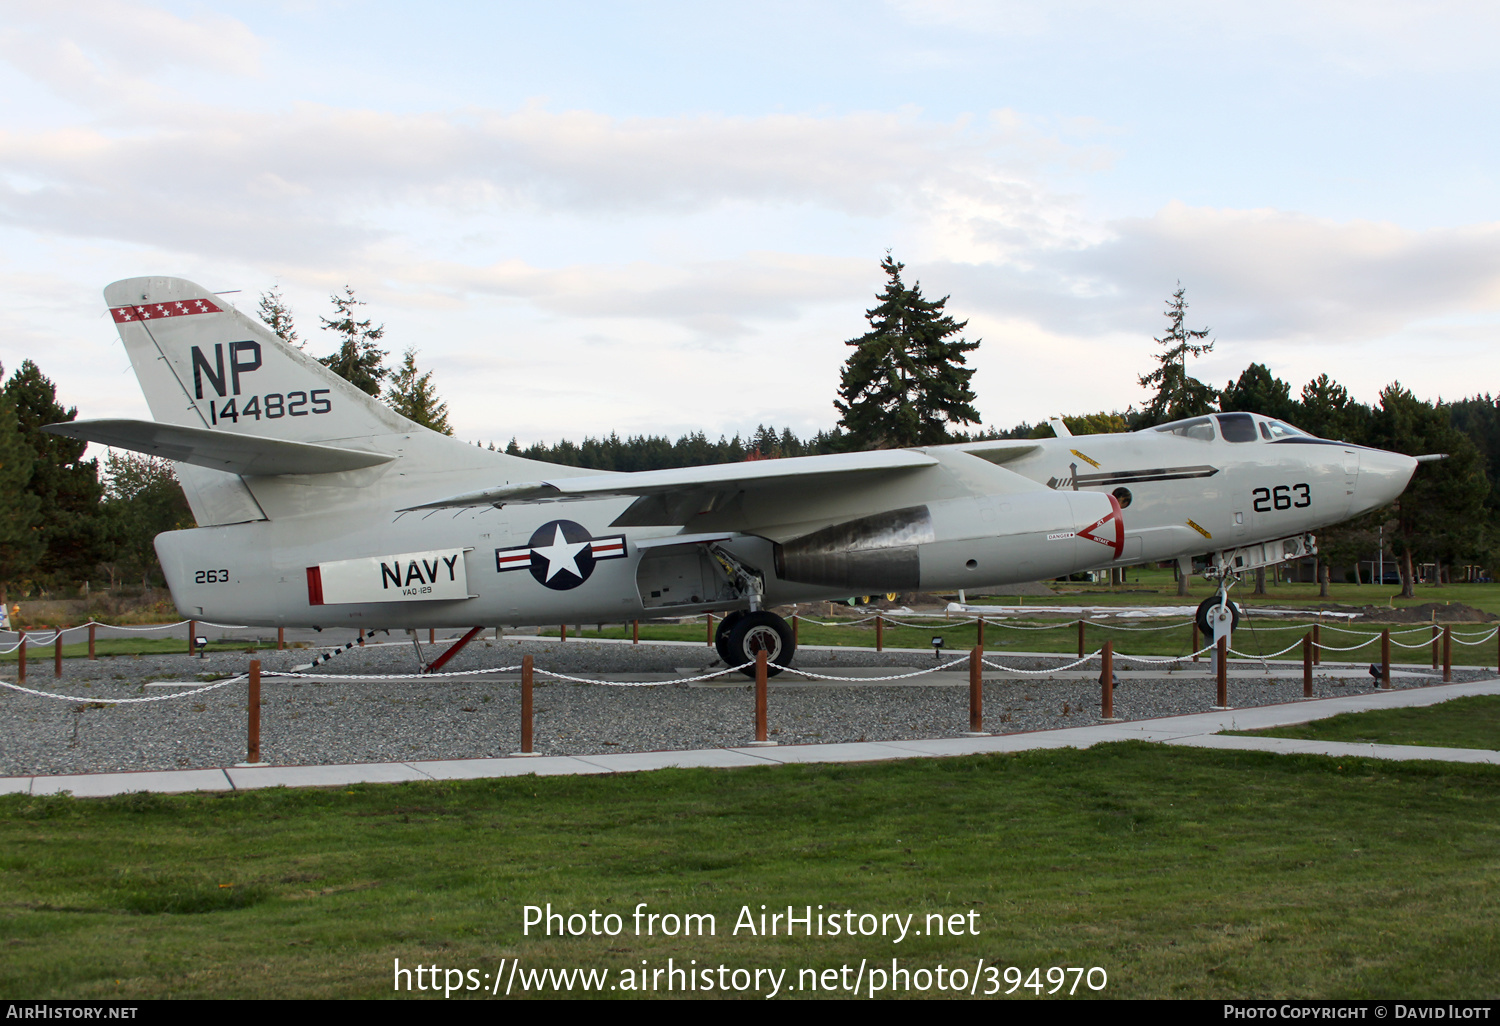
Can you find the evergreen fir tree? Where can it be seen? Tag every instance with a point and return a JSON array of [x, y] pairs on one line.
[[65, 485], [358, 360], [21, 543], [277, 316], [906, 381], [1177, 394], [413, 396]]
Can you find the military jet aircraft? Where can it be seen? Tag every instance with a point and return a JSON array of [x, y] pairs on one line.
[[319, 506]]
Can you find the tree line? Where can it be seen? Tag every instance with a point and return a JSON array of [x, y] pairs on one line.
[[65, 520]]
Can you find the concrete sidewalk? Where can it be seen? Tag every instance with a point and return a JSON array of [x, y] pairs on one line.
[[1197, 730]]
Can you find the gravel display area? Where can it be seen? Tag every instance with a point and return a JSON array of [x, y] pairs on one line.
[[312, 722]]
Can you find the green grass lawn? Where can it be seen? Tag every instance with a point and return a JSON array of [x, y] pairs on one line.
[[1149, 586], [36, 655], [1462, 723], [1181, 872], [1264, 639]]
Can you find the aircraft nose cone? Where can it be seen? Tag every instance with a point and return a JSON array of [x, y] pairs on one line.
[[1382, 477]]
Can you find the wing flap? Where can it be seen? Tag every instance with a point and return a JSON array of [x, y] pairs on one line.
[[219, 450]]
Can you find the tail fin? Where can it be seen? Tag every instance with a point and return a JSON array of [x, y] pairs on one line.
[[204, 364], [207, 367]]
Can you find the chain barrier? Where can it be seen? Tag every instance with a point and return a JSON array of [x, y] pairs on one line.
[[127, 701], [648, 683], [897, 676], [1050, 669]]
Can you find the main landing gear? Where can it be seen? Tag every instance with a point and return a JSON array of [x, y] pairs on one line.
[[744, 634], [741, 636]]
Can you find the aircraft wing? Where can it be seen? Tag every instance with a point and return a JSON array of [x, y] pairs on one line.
[[681, 495], [219, 450]]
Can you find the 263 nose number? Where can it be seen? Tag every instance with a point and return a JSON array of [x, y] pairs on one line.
[[1282, 497]]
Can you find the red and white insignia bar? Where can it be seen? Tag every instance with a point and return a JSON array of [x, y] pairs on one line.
[[156, 311]]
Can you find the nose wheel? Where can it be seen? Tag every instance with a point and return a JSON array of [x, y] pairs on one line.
[[742, 636], [1209, 611]]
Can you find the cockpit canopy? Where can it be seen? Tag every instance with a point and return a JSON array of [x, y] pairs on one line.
[[1232, 427]]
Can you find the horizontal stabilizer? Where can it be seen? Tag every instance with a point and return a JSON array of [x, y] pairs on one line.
[[805, 471], [219, 450]]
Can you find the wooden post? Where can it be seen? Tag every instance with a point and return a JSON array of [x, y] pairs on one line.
[[252, 718], [1447, 655], [760, 696], [91, 641], [1436, 634], [794, 630], [1385, 658], [526, 679], [1223, 672], [57, 654], [1080, 638], [564, 631], [280, 638], [879, 633], [21, 659], [432, 635], [1307, 651], [976, 691], [192, 635], [1107, 683], [981, 632], [1196, 639], [1317, 640], [710, 620], [635, 632], [361, 637]]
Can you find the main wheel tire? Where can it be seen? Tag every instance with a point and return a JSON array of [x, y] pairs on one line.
[[721, 634], [1206, 611], [759, 631]]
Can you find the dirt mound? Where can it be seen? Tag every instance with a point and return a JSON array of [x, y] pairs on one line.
[[1428, 612]]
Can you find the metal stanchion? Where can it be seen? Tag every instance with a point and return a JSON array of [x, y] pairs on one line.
[[980, 638], [432, 635], [635, 632], [1222, 650], [252, 718], [1080, 639], [879, 633], [91, 641], [21, 659], [564, 631], [280, 638], [361, 638], [710, 620], [794, 630], [1385, 659], [1307, 664], [976, 693], [526, 683], [57, 654], [1196, 645], [1107, 684], [192, 635], [1447, 655], [1317, 641]]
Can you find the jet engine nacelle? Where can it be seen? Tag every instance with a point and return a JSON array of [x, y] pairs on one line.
[[958, 543]]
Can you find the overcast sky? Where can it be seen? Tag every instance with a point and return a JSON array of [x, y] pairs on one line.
[[666, 217]]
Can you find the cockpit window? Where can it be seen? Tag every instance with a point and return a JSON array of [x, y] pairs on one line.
[[1237, 427], [1201, 428], [1276, 430]]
